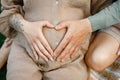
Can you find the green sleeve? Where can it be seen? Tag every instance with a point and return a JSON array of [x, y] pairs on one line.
[[107, 17]]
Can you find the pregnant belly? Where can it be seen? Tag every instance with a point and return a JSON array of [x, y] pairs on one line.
[[54, 37]]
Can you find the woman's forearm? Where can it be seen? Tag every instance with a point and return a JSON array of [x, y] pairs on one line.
[[17, 22]]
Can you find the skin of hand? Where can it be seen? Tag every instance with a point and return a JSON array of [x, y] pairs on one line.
[[77, 30], [6, 46], [34, 34]]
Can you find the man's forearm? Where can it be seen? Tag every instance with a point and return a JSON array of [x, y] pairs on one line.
[[16, 21], [107, 17]]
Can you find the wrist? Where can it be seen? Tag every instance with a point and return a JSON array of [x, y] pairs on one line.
[[86, 23], [89, 25]]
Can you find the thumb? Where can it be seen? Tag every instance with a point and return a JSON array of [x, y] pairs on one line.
[[61, 26], [48, 24]]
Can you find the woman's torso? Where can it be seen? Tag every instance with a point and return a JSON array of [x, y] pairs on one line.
[[55, 11]]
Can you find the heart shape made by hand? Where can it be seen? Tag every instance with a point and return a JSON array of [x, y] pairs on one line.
[[53, 36]]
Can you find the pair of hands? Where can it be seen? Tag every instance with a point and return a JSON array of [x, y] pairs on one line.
[[76, 33]]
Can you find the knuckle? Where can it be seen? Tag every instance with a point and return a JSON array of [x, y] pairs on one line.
[[58, 51], [48, 55], [68, 38], [41, 55], [38, 51], [67, 51], [45, 45], [63, 56], [42, 50]]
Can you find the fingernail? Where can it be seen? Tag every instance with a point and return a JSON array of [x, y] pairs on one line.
[[51, 59], [46, 59], [36, 58]]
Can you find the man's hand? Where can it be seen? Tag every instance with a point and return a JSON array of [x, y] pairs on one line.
[[77, 31], [38, 43]]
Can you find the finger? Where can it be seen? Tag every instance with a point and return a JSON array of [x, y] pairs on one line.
[[61, 26], [39, 52], [70, 53], [65, 52], [74, 52], [34, 53], [65, 58], [43, 50], [29, 39], [62, 45], [46, 45], [47, 24], [119, 52]]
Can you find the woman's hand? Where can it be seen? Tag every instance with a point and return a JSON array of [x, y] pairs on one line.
[[34, 34], [76, 33]]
